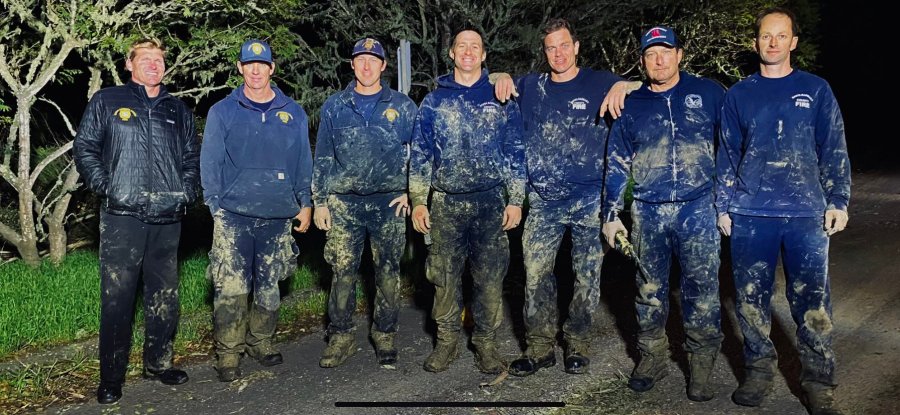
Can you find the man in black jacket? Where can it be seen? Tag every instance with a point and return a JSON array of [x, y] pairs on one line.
[[137, 149]]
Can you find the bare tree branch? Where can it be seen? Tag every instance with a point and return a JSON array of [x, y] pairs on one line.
[[61, 114], [10, 234], [47, 160]]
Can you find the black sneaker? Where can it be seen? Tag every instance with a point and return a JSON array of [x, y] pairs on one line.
[[527, 366], [108, 394], [577, 364], [168, 376]]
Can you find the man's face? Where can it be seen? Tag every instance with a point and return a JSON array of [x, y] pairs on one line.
[[368, 69], [561, 50], [662, 63], [468, 51], [147, 67], [775, 40], [256, 74]]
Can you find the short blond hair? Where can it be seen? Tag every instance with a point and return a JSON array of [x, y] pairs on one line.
[[145, 43]]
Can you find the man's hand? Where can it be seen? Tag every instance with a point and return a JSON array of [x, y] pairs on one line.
[[724, 224], [421, 219], [504, 87], [402, 203], [615, 98], [512, 215], [323, 218], [835, 221], [305, 217], [610, 229]]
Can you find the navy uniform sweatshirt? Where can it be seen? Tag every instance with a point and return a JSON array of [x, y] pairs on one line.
[[665, 141], [256, 163], [363, 152], [782, 151], [565, 138], [465, 141]]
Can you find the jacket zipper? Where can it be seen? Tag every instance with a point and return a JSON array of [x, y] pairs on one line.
[[674, 165]]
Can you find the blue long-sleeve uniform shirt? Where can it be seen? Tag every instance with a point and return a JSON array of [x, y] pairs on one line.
[[256, 163], [465, 141], [665, 141], [565, 138], [359, 153], [782, 150]]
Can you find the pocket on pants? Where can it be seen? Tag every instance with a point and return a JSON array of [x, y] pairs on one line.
[[289, 251]]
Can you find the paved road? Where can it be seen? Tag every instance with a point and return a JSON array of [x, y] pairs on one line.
[[865, 260]]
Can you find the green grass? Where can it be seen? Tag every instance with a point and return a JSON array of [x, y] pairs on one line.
[[51, 305]]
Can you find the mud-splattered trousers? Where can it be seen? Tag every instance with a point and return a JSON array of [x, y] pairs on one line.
[[755, 245], [468, 225], [129, 249], [249, 255], [354, 217], [688, 230], [544, 228]]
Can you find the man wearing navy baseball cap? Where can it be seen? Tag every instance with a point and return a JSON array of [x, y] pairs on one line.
[[359, 188], [256, 168], [664, 140]]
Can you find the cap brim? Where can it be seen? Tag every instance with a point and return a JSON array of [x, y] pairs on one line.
[[368, 53], [256, 60], [661, 43]]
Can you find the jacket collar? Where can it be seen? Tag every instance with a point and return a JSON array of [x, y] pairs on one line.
[[383, 96], [279, 101]]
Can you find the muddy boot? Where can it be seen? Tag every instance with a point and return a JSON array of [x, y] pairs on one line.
[[754, 389], [488, 359], [701, 369], [340, 347], [650, 369], [577, 360], [819, 399], [385, 350], [444, 353], [265, 354], [228, 367], [534, 359]]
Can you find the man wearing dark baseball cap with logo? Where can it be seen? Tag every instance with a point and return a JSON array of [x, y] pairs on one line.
[[359, 188], [664, 140], [256, 168]]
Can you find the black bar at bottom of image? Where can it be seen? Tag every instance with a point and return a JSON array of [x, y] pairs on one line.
[[399, 404]]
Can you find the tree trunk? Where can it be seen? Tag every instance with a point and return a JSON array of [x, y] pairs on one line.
[[56, 223], [28, 246]]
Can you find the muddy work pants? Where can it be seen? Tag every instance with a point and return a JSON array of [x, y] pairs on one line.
[[468, 225], [803, 245], [248, 255], [128, 249], [687, 230], [353, 218], [544, 229]]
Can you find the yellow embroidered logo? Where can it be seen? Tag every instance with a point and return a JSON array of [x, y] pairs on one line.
[[257, 48], [125, 114], [391, 114], [284, 116], [370, 43]]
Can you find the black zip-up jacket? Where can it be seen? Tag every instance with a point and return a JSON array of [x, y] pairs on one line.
[[141, 155]]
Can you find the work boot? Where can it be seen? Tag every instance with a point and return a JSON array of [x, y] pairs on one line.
[[819, 399], [488, 359], [753, 390], [265, 354], [701, 366], [534, 359], [576, 361], [444, 353], [385, 350], [228, 367], [340, 347], [650, 369]]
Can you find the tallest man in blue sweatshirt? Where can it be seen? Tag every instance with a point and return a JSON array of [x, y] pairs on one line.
[[783, 187]]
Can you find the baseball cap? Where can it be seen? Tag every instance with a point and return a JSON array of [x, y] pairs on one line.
[[255, 50], [659, 35], [368, 45]]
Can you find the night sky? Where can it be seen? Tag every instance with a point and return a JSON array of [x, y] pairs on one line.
[[856, 47]]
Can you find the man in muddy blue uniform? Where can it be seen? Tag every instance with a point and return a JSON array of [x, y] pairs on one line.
[[256, 169], [467, 148], [783, 186], [359, 188], [664, 140], [565, 141]]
